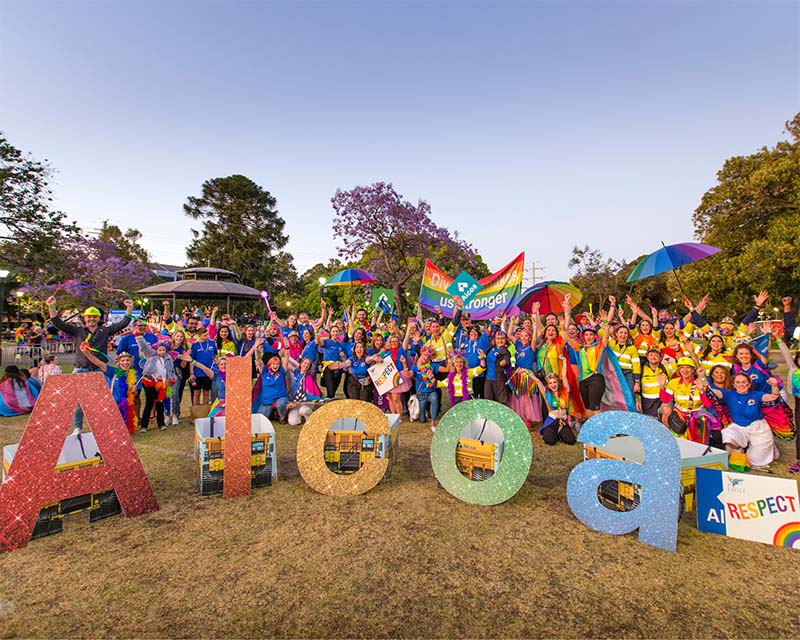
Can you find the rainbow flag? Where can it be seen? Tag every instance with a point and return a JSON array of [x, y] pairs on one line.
[[498, 290]]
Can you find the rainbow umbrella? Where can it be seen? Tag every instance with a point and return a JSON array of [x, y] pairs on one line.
[[550, 296], [671, 258], [350, 276]]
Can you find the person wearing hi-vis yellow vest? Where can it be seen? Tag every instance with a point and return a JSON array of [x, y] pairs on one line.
[[628, 357], [650, 388]]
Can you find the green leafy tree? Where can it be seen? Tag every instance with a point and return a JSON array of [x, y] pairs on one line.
[[241, 231], [29, 228], [753, 215], [126, 242], [598, 277]]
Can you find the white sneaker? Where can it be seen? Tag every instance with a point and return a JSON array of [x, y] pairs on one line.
[[174, 419]]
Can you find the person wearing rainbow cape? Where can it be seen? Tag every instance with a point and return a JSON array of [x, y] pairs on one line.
[[123, 382]]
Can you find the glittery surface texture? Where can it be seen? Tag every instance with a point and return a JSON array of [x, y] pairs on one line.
[[238, 407], [310, 445], [656, 517], [514, 466], [31, 482]]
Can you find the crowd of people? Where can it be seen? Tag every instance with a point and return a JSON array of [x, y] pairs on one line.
[[705, 381]]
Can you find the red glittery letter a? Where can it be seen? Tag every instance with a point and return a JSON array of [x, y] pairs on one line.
[[31, 482]]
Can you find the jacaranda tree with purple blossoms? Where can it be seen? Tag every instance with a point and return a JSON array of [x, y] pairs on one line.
[[90, 272], [393, 237]]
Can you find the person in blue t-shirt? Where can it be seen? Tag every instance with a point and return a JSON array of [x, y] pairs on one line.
[[273, 391], [425, 381], [498, 360], [748, 429], [204, 352], [361, 387], [333, 356], [127, 344], [310, 350]]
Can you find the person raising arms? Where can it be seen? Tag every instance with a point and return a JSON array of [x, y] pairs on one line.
[[94, 334]]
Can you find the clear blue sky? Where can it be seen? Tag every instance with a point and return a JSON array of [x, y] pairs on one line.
[[526, 126]]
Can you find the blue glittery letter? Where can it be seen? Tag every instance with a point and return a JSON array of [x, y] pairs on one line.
[[656, 517]]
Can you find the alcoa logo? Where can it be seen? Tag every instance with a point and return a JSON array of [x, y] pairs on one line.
[[465, 290]]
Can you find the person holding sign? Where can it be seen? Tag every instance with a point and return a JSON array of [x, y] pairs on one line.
[[398, 355]]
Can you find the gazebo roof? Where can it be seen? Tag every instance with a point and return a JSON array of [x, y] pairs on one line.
[[207, 289], [206, 273]]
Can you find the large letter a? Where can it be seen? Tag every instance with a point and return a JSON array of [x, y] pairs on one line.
[[31, 482]]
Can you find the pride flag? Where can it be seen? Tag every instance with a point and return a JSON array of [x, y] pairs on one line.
[[498, 291]]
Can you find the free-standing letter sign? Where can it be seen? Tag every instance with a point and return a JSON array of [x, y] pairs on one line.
[[31, 482], [238, 433], [310, 445], [659, 477]]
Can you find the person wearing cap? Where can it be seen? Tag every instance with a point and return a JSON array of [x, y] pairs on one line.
[[292, 344], [94, 334], [129, 344], [683, 410], [730, 332]]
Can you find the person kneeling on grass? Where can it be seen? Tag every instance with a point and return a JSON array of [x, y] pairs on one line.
[[270, 390], [304, 389], [749, 430], [556, 425]]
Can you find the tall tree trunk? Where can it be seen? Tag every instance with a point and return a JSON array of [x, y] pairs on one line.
[[398, 303]]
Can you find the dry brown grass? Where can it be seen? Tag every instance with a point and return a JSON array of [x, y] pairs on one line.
[[405, 560]]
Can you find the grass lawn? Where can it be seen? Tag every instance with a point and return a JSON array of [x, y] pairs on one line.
[[404, 560]]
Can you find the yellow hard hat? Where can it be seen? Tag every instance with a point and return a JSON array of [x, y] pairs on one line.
[[686, 362], [92, 311]]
